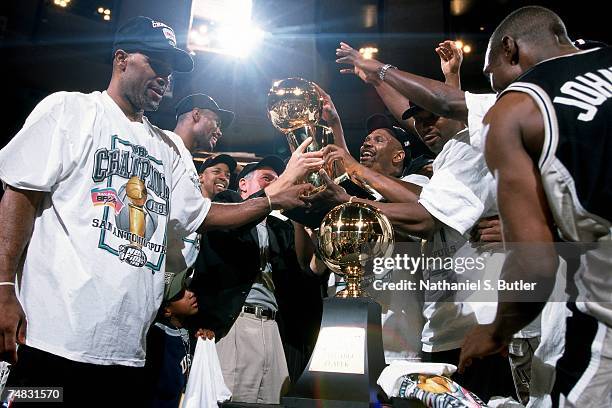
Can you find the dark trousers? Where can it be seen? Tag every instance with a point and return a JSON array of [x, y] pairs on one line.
[[486, 377], [84, 385]]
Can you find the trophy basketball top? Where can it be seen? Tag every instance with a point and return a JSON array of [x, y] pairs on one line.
[[351, 234], [294, 103]]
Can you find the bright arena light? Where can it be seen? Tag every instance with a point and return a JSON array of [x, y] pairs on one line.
[[238, 40], [467, 49], [459, 44], [224, 26]]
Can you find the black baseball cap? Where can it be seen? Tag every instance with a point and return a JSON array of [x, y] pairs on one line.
[[216, 159], [274, 162], [381, 121], [203, 101], [142, 34], [412, 110]]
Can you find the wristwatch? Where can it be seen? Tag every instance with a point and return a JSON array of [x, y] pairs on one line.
[[382, 71]]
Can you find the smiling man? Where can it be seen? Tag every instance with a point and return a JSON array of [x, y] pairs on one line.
[[200, 125], [92, 192], [215, 174], [200, 122]]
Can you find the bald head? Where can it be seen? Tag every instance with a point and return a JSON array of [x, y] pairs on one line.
[[531, 24], [524, 38]]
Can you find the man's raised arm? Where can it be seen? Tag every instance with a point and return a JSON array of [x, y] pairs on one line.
[[432, 95]]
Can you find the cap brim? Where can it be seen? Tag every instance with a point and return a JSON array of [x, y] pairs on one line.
[[410, 112], [182, 61], [274, 162], [220, 158], [227, 117]]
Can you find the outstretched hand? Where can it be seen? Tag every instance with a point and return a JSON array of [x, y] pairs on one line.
[[289, 197], [301, 163], [332, 153], [366, 69], [451, 57], [13, 324], [329, 114]]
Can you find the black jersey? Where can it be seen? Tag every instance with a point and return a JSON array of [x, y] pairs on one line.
[[574, 94]]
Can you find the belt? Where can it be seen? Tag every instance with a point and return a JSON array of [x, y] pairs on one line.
[[259, 312]]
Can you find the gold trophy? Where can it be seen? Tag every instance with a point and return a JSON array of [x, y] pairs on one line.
[[348, 356], [294, 107], [136, 192], [350, 235]]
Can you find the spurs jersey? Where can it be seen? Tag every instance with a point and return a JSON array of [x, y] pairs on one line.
[[574, 93]]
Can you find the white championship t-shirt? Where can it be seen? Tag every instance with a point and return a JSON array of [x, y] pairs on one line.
[[93, 276], [461, 191], [183, 251]]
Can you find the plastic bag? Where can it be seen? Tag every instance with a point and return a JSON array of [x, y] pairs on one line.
[[205, 386]]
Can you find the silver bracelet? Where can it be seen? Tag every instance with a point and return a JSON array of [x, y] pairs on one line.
[[7, 283], [383, 71]]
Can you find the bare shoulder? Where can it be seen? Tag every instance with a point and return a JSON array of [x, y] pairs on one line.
[[515, 120]]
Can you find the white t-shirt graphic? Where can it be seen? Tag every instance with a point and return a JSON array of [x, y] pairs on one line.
[[93, 275]]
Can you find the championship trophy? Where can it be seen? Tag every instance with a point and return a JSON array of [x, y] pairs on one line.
[[348, 356], [294, 108]]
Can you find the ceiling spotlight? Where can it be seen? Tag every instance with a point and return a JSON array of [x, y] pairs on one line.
[[56, 2], [459, 44], [481, 28], [467, 49], [106, 17], [107, 12], [100, 10]]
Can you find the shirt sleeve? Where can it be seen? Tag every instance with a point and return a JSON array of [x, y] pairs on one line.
[[461, 190], [477, 106], [42, 153], [416, 179], [188, 208]]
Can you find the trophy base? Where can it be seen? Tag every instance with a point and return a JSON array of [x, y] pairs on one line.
[[352, 294], [347, 360]]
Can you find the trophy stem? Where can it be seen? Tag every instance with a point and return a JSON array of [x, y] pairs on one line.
[[352, 276]]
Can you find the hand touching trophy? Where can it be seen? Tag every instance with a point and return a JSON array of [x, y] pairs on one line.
[[294, 107]]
